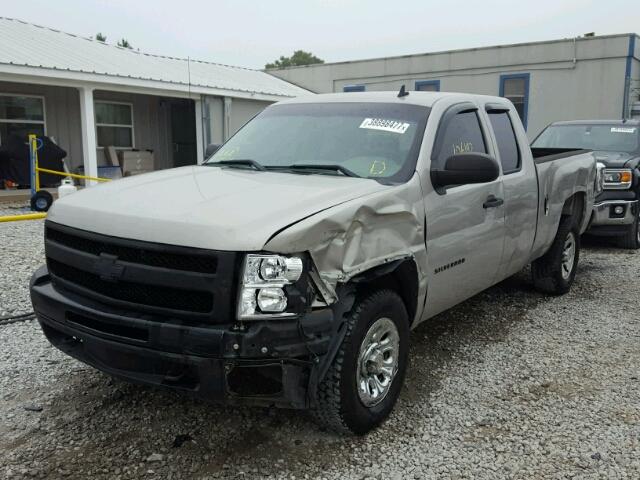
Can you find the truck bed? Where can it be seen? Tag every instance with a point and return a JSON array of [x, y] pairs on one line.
[[562, 173], [542, 155]]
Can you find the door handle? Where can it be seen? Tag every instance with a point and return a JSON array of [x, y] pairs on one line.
[[492, 202]]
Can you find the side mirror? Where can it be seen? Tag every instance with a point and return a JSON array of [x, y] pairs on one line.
[[466, 168], [211, 149]]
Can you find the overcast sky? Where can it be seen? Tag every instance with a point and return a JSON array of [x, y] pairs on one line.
[[252, 33]]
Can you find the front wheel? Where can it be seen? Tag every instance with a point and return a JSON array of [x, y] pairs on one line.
[[555, 271], [364, 381]]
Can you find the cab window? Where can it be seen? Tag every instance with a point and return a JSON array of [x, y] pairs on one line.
[[461, 134], [507, 143]]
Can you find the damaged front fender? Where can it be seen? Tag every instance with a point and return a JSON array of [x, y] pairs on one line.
[[353, 237]]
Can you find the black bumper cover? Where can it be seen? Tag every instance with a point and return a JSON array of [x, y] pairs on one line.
[[277, 362]]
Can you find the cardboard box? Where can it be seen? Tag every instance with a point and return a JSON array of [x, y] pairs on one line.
[[135, 162]]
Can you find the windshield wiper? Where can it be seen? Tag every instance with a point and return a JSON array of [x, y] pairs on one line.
[[334, 168], [242, 162]]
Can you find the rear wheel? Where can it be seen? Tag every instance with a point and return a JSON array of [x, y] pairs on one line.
[[631, 239], [364, 381], [555, 271]]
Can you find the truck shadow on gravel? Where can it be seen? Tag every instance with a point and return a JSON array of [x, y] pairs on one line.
[[604, 245], [102, 428], [483, 319]]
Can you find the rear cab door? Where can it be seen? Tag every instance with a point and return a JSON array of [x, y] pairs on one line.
[[465, 226], [520, 186]]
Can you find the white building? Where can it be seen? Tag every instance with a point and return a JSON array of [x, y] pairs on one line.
[[573, 78], [88, 95]]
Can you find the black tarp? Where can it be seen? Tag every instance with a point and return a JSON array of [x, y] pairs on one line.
[[14, 161]]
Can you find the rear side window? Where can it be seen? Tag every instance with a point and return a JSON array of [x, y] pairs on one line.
[[462, 134], [507, 143]]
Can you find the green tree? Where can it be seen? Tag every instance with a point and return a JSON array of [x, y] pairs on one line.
[[124, 43], [100, 37], [299, 57]]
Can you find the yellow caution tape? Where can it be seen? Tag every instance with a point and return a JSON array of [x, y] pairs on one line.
[[72, 175], [26, 216]]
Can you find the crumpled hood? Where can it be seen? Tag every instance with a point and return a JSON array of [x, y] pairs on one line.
[[617, 159], [206, 207]]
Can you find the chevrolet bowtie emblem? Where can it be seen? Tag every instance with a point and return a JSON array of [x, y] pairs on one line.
[[107, 268]]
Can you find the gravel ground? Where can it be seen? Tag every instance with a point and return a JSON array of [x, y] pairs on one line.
[[510, 384]]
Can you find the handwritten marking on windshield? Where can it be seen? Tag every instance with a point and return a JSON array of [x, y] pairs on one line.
[[378, 167]]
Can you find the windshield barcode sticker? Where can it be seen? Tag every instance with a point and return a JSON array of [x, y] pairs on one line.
[[623, 130], [386, 125]]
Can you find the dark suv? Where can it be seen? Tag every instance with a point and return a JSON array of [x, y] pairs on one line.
[[616, 144]]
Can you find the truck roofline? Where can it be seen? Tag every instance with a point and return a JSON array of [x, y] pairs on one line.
[[426, 99]]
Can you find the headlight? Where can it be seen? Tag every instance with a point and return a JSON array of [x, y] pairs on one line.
[[599, 178], [617, 178], [262, 292]]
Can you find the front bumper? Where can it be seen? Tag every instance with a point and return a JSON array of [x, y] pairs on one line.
[[264, 363], [606, 220]]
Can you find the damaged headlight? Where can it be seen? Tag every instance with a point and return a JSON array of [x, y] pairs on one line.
[[262, 292]]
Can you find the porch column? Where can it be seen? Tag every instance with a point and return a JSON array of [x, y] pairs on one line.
[[88, 123], [199, 135], [227, 118]]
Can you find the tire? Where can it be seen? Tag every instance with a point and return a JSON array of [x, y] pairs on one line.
[[41, 201], [551, 273], [340, 404], [631, 239]]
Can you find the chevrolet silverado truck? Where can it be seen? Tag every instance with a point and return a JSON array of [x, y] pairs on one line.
[[616, 145], [290, 266]]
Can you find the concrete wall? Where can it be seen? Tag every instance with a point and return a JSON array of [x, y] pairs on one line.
[[62, 115], [242, 111], [634, 87], [560, 88]]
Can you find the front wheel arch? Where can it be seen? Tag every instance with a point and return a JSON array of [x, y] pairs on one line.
[[401, 276]]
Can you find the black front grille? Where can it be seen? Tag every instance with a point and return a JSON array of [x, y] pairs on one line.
[[167, 280], [150, 295], [203, 263]]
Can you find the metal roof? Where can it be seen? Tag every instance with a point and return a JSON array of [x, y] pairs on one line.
[[28, 45]]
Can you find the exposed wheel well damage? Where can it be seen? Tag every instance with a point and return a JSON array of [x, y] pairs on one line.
[[575, 206], [400, 276]]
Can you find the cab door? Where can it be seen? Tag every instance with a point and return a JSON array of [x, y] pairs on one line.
[[465, 223], [520, 185]]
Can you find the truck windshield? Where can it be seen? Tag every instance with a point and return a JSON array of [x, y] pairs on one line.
[[368, 140], [612, 137]]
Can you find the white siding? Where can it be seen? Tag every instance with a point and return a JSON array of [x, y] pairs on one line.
[[559, 89]]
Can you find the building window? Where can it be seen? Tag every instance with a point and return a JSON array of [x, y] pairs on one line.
[[428, 85], [516, 88], [353, 88], [21, 115], [114, 124]]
